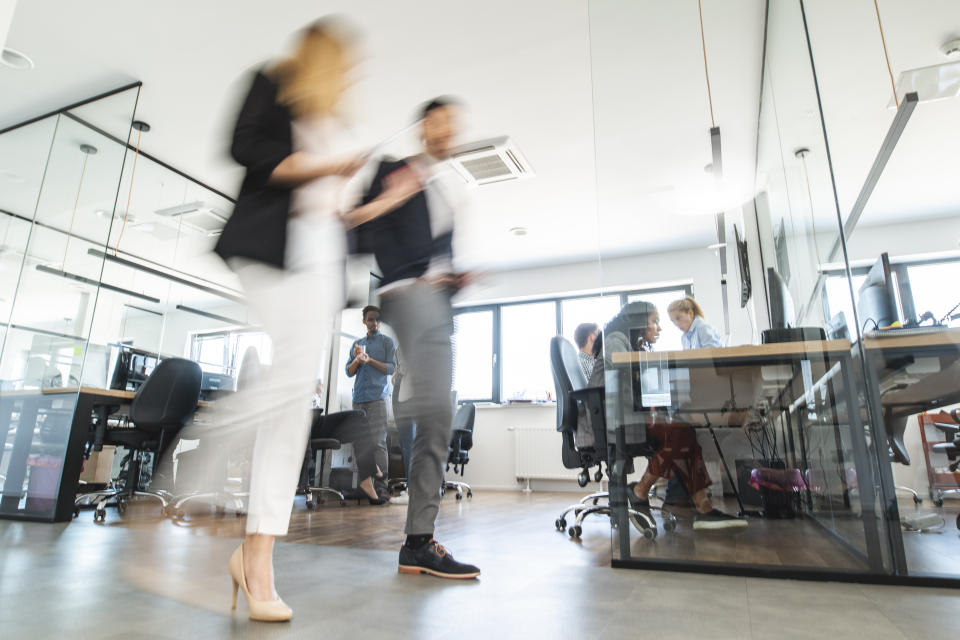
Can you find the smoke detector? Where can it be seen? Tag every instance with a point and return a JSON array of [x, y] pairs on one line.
[[489, 161], [951, 49], [197, 216]]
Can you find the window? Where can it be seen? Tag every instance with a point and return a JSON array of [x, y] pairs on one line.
[[502, 352], [473, 364], [669, 334], [526, 332], [919, 287], [935, 289], [223, 351], [596, 309]]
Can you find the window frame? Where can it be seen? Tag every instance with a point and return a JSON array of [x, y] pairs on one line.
[[900, 271], [496, 308]]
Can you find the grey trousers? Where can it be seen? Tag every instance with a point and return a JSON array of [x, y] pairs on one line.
[[377, 437], [422, 319]]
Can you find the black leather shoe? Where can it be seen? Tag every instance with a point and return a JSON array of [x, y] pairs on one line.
[[434, 560]]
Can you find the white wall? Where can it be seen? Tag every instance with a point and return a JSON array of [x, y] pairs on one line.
[[699, 266]]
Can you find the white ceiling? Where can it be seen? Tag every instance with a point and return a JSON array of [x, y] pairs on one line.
[[579, 86], [920, 180]]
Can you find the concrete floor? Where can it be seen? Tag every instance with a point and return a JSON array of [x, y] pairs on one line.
[[81, 580]]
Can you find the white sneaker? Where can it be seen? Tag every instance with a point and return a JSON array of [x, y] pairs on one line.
[[403, 498]]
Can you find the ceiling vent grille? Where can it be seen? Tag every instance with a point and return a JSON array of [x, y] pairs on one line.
[[197, 216], [491, 160]]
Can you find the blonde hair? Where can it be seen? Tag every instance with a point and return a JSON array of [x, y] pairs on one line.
[[312, 80], [686, 305]]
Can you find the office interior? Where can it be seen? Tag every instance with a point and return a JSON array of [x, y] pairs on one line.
[[752, 155]]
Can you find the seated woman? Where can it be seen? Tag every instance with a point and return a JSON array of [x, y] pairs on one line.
[[677, 450], [689, 318]]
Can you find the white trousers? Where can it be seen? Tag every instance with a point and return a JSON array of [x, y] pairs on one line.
[[296, 309]]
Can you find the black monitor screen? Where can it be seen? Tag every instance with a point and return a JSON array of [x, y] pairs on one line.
[[781, 304], [132, 368], [877, 302]]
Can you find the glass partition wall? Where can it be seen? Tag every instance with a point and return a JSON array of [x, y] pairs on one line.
[[105, 268], [762, 443]]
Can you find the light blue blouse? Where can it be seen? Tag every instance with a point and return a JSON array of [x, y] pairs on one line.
[[701, 335]]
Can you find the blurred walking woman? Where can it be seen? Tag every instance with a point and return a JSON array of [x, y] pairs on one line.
[[286, 244]]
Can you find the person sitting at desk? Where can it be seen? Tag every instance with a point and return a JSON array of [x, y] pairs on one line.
[[585, 335], [689, 318], [677, 451]]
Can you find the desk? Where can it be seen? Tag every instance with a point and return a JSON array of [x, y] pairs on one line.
[[52, 428], [801, 384], [909, 374]]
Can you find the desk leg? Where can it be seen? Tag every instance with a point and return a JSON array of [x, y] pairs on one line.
[[73, 459], [888, 492], [864, 469], [17, 470]]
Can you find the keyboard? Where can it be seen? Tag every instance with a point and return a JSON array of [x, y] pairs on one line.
[[907, 331]]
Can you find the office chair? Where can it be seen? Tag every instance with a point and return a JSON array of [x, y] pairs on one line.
[[461, 441], [162, 406], [573, 396], [895, 428], [950, 448], [326, 434]]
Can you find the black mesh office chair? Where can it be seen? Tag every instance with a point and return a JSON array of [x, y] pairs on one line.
[[578, 404], [895, 428], [326, 434], [164, 403], [223, 457], [461, 441]]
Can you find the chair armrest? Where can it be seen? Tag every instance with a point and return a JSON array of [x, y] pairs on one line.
[[949, 430]]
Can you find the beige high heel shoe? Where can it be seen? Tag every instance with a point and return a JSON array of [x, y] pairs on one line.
[[263, 610]]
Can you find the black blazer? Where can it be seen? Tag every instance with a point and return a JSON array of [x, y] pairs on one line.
[[401, 240], [261, 140]]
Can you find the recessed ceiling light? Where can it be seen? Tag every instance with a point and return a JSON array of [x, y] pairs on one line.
[[15, 59], [518, 231], [102, 213]]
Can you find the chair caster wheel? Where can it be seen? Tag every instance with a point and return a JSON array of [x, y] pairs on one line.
[[459, 496], [583, 478], [99, 516], [121, 507], [575, 532], [596, 501], [650, 534], [917, 500], [669, 525], [469, 493], [561, 524]]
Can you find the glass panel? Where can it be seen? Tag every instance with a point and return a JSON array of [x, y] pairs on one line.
[[473, 355], [670, 334]]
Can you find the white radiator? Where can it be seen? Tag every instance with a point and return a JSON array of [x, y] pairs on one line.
[[538, 455]]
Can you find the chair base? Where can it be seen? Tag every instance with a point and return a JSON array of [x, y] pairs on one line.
[[314, 494], [640, 521], [459, 487], [219, 499], [916, 496], [120, 499]]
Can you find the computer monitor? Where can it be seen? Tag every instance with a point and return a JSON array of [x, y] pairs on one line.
[[782, 315], [132, 367], [877, 301], [214, 384], [837, 328]]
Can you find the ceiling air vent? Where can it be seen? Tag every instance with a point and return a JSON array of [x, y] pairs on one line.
[[492, 160], [196, 215]]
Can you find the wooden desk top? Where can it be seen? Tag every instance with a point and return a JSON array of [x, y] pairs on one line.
[[944, 338], [810, 347], [93, 391]]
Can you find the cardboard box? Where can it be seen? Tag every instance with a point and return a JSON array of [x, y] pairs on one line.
[[97, 468]]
